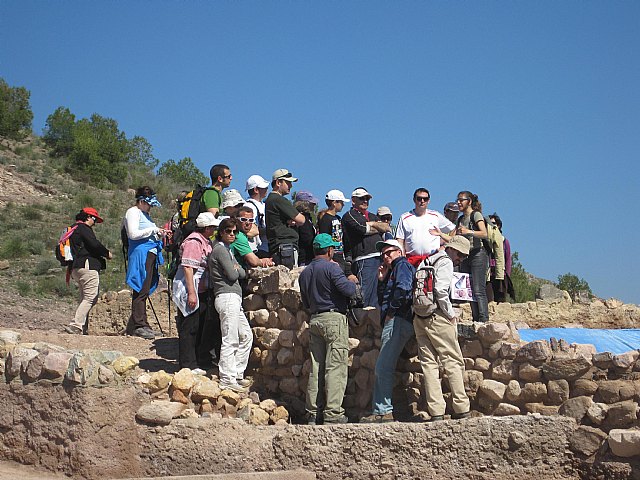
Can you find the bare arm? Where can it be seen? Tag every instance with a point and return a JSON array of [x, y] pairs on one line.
[[192, 296], [214, 210], [253, 261]]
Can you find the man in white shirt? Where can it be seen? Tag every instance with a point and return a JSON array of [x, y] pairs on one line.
[[257, 188], [413, 228]]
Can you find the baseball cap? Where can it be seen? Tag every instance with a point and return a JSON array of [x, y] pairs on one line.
[[336, 195], [388, 243], [207, 219], [324, 240], [361, 192], [459, 243], [93, 212], [231, 198], [453, 206], [384, 211], [256, 181], [283, 173], [303, 195]]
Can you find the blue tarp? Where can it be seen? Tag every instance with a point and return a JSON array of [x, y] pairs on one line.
[[614, 341]]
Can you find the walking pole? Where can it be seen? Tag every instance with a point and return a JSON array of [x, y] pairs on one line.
[[154, 314]]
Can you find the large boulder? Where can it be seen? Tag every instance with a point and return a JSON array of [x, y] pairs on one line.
[[160, 412], [625, 443], [587, 440], [566, 368]]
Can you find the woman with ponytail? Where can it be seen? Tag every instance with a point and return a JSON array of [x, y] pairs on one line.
[[471, 224]]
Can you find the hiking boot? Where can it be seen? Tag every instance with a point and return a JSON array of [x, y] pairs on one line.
[[378, 418], [460, 416], [436, 418], [234, 387], [144, 332], [336, 420], [73, 329]]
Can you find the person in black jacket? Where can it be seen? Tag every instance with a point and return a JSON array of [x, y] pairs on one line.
[[88, 259]]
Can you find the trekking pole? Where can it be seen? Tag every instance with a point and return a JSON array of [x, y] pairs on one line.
[[157, 319], [170, 282]]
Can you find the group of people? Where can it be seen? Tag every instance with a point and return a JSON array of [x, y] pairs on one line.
[[233, 234]]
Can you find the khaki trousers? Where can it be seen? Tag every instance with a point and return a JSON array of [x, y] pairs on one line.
[[438, 339], [329, 349], [88, 284]]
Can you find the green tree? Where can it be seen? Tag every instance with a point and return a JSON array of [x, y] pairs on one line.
[[141, 153], [15, 111], [572, 284], [58, 132], [525, 285], [184, 173]]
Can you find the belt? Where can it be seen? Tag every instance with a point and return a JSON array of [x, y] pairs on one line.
[[333, 310]]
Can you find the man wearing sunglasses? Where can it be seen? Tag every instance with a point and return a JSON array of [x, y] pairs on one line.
[[220, 179], [414, 229], [282, 217], [241, 247]]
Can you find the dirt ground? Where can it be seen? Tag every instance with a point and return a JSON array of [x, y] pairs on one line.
[[15, 471]]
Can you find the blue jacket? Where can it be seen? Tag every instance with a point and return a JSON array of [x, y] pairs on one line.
[[395, 291], [136, 271]]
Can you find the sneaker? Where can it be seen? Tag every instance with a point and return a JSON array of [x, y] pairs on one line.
[[335, 420], [234, 387], [144, 332], [244, 382], [378, 418], [460, 416], [198, 371], [73, 329], [436, 418]]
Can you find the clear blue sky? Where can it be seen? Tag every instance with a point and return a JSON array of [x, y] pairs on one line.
[[534, 106]]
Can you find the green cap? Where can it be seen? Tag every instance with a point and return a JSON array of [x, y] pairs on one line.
[[324, 240]]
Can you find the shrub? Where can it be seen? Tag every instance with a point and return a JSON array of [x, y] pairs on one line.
[[525, 285], [572, 284], [23, 288], [32, 212], [14, 248], [44, 265], [54, 285]]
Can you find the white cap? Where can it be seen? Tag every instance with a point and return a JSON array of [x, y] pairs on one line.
[[231, 198], [388, 243], [256, 181], [384, 211], [336, 195], [207, 219], [360, 192]]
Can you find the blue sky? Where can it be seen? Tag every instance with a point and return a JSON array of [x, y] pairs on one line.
[[534, 106]]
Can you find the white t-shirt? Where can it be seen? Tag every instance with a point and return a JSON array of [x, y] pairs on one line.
[[258, 243], [414, 230]]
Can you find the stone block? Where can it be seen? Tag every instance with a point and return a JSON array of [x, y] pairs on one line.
[[535, 352], [229, 396], [504, 370], [158, 381], [541, 408], [597, 412], [584, 387], [183, 380], [626, 360], [160, 412], [603, 360], [533, 393], [253, 302], [81, 368], [493, 352], [482, 364], [205, 390], [291, 299], [260, 318], [270, 280], [505, 410], [509, 350], [273, 301], [551, 294], [493, 390], [33, 369], [123, 365], [492, 332], [269, 338], [286, 319], [624, 443], [472, 348], [56, 364], [583, 350], [469, 363], [279, 414], [612, 391], [587, 440], [576, 407], [513, 391], [568, 369], [285, 356], [287, 338], [530, 373], [18, 359], [472, 381], [558, 391], [622, 414], [105, 375], [178, 396]]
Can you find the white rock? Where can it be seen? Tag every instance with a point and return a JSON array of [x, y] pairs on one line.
[[624, 443]]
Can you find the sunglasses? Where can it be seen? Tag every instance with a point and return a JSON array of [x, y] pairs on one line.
[[230, 231], [245, 220], [226, 176], [422, 199], [389, 252], [462, 200]]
